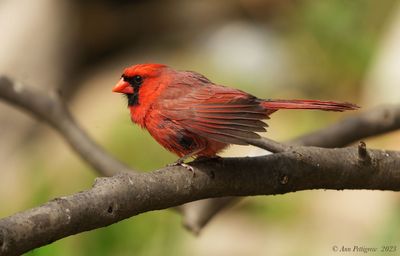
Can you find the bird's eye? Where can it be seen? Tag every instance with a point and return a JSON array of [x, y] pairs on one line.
[[138, 80], [133, 80]]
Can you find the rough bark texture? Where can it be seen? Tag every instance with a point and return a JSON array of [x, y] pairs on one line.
[[124, 195]]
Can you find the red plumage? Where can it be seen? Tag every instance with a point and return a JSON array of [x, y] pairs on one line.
[[191, 116]]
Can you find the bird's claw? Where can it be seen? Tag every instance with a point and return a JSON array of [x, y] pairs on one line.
[[186, 166]]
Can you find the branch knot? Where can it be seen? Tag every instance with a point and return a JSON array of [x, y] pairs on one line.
[[363, 155]]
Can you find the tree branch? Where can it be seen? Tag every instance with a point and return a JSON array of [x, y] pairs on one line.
[[51, 109], [366, 124], [125, 195]]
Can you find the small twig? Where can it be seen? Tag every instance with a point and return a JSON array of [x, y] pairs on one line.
[[269, 145], [363, 155]]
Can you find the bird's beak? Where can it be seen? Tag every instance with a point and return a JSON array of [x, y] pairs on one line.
[[123, 87]]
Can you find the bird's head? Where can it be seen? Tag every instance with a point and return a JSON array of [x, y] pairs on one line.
[[136, 77]]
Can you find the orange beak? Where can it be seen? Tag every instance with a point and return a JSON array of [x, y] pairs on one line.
[[123, 87]]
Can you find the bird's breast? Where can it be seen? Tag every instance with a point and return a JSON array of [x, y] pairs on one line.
[[138, 115]]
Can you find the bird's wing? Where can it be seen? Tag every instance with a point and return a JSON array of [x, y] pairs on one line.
[[219, 113]]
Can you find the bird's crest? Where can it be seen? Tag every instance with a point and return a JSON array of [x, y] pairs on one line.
[[147, 70]]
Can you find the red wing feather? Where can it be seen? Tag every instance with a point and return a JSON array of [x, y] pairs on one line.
[[223, 114]]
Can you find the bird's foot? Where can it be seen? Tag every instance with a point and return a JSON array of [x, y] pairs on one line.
[[186, 166]]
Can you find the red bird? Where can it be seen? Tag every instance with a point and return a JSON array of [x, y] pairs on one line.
[[191, 116]]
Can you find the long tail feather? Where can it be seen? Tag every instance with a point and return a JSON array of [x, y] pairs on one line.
[[309, 104]]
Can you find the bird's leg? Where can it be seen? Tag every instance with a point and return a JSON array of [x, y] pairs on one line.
[[180, 161]]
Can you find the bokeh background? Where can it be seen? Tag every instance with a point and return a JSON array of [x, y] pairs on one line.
[[337, 50]]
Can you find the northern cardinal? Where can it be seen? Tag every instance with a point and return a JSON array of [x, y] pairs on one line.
[[191, 116]]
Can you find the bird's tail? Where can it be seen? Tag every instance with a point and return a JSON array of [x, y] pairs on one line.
[[308, 104]]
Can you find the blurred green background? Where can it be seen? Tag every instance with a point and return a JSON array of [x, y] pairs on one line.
[[335, 50]]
